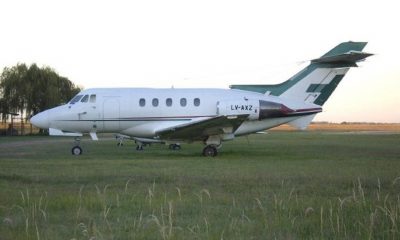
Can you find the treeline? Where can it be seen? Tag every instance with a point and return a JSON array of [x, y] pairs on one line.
[[28, 90]]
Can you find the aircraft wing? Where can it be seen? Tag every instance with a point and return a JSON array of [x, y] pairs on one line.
[[202, 129], [58, 132]]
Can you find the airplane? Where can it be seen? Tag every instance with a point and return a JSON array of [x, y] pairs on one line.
[[211, 116]]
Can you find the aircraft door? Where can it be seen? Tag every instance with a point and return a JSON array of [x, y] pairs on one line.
[[111, 113], [88, 114]]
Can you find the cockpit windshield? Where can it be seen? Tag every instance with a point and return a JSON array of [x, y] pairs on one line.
[[85, 98], [76, 99]]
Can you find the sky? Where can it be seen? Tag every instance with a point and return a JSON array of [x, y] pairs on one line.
[[209, 43]]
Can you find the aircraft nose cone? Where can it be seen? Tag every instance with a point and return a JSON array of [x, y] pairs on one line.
[[41, 120]]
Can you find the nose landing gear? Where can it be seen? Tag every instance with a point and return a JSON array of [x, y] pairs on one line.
[[76, 150]]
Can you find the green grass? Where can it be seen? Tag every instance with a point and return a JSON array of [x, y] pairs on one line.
[[279, 185]]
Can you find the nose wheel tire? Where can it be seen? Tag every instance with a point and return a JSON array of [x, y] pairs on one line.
[[76, 150], [210, 151]]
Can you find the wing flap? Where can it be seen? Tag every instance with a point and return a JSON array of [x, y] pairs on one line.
[[202, 129]]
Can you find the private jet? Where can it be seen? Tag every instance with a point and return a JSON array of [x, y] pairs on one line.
[[210, 116]]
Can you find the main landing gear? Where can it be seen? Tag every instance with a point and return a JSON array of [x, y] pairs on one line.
[[76, 150], [210, 151], [212, 144]]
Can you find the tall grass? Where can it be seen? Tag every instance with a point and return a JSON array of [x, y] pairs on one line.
[[274, 186], [109, 212]]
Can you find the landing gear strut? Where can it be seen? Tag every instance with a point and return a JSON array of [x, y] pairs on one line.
[[212, 143], [139, 146], [120, 140], [210, 151], [76, 150]]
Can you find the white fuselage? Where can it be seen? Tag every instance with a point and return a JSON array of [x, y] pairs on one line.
[[141, 112]]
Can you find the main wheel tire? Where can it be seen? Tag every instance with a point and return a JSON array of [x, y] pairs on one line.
[[76, 150], [210, 151], [177, 147]]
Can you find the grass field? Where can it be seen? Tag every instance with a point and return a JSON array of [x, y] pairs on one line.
[[283, 185]]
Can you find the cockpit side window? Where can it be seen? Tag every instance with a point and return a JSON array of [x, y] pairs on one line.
[[85, 98], [92, 98], [76, 99]]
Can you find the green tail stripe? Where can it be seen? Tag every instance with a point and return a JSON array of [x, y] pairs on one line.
[[316, 88], [278, 89], [328, 89]]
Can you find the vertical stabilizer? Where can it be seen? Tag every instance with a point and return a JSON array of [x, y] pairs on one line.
[[316, 82]]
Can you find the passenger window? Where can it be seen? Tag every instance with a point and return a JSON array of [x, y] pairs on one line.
[[155, 102], [92, 98], [168, 102], [196, 102], [142, 102], [183, 102], [75, 99], [85, 98]]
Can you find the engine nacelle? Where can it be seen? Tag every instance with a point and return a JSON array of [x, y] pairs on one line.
[[256, 109], [273, 110], [233, 107]]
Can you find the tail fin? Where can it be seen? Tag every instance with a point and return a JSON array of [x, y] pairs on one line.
[[316, 82]]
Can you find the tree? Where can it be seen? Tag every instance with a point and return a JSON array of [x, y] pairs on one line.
[[13, 90], [32, 90]]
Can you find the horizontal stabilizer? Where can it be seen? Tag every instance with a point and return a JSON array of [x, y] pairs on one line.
[[350, 57]]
